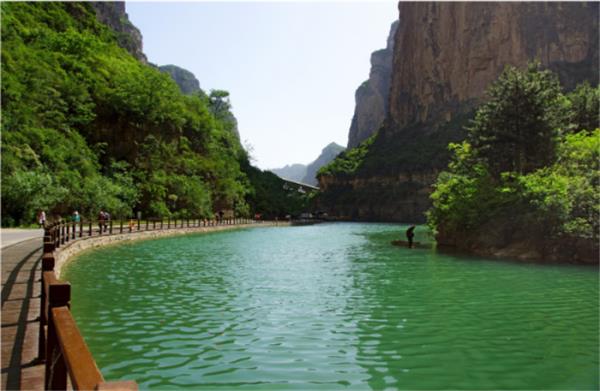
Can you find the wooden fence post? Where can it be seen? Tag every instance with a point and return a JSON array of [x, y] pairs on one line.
[[90, 228], [146, 224], [47, 265], [58, 295], [121, 225], [139, 223], [168, 222], [110, 227], [153, 224]]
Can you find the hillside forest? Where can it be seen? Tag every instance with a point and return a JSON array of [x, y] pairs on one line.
[[86, 126]]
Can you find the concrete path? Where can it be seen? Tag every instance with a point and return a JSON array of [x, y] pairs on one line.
[[10, 236], [21, 273]]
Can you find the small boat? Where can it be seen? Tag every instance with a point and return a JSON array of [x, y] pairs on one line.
[[404, 243]]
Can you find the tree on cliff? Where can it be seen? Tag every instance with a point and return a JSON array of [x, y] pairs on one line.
[[517, 129]]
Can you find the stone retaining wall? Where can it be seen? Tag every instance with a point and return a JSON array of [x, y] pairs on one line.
[[64, 254]]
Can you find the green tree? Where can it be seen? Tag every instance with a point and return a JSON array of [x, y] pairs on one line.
[[518, 127], [585, 102]]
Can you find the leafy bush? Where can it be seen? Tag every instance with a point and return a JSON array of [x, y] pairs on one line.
[[552, 190]]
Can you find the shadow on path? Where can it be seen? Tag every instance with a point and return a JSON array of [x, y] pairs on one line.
[[20, 312]]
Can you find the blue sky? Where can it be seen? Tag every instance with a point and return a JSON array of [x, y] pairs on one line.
[[291, 67]]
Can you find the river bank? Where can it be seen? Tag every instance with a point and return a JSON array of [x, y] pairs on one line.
[[66, 252], [503, 240]]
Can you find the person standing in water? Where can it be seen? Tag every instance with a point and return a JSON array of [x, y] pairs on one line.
[[410, 234]]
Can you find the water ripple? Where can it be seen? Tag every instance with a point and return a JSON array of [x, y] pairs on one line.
[[332, 306]]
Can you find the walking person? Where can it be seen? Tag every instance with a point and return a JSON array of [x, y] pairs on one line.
[[75, 218], [101, 220], [106, 220], [41, 217]]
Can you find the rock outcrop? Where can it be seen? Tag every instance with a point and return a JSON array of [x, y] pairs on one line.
[[372, 96], [308, 173], [445, 56], [327, 154], [114, 16], [187, 82], [502, 238]]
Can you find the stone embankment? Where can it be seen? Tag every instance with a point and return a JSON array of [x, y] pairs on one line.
[[67, 251]]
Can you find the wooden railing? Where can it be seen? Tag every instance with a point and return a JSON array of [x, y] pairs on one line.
[[61, 345], [63, 232]]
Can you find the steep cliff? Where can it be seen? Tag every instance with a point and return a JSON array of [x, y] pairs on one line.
[[187, 82], [372, 96], [114, 16], [445, 55]]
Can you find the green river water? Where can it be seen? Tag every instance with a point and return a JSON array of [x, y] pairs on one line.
[[332, 306]]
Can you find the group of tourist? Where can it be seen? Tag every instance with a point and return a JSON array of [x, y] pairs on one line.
[[103, 219]]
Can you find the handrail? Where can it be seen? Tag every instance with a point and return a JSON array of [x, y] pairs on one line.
[[62, 232], [61, 345], [80, 365], [78, 360]]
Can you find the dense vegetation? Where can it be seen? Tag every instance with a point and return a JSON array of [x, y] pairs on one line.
[[86, 126], [531, 160], [348, 161]]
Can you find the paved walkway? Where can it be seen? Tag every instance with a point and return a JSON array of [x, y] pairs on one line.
[[10, 236], [21, 273]]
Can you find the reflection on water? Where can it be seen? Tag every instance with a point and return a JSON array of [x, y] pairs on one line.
[[332, 306]]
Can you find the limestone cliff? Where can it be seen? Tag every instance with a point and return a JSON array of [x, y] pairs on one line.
[[372, 96], [128, 36], [445, 56], [187, 82], [447, 53]]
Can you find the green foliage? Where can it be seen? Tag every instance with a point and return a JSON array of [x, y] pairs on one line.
[[347, 162], [517, 129], [585, 102], [497, 175], [87, 126], [270, 199]]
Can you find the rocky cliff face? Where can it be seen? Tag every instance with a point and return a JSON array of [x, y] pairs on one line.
[[187, 82], [128, 36], [372, 96], [445, 56], [447, 53]]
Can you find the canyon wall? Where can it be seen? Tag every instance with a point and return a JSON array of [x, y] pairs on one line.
[[447, 53], [372, 96], [445, 56]]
